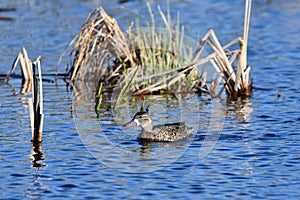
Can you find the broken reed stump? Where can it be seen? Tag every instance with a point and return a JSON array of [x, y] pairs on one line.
[[101, 52], [26, 70], [31, 83]]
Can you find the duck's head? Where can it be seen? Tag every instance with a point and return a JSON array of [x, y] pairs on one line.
[[141, 118]]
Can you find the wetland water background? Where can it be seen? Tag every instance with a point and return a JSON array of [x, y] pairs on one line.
[[257, 154]]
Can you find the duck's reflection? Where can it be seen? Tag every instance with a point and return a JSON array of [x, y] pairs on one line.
[[148, 146]]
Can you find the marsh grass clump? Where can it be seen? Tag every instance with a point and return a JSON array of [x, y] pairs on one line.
[[154, 60], [160, 55]]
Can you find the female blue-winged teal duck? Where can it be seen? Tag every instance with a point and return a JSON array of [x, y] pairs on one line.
[[158, 133]]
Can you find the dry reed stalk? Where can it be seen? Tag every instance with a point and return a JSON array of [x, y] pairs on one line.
[[236, 78], [243, 71], [100, 41]]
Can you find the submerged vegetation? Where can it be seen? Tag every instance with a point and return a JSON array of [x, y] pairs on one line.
[[151, 60]]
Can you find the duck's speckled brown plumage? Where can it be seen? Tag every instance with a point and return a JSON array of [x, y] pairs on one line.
[[161, 133]]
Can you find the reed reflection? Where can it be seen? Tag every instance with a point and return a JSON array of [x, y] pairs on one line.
[[37, 155]]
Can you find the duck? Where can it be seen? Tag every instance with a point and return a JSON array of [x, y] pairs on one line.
[[158, 133]]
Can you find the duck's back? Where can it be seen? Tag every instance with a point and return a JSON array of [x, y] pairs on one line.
[[167, 132]]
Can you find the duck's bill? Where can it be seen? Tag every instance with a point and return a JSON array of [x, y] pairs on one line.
[[130, 124]]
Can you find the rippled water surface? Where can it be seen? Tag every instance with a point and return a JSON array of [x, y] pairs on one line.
[[242, 150]]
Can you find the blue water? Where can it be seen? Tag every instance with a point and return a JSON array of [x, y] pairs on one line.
[[248, 150]]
